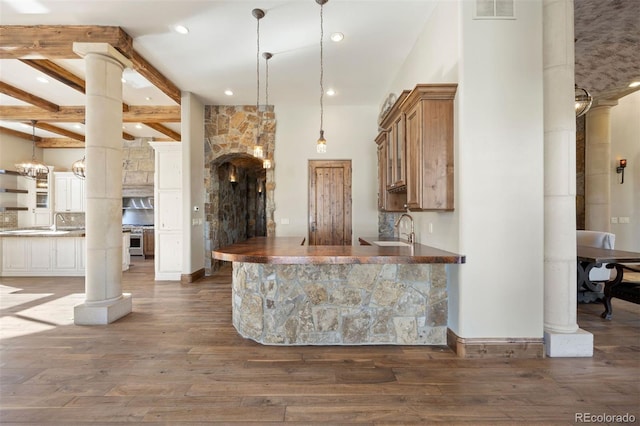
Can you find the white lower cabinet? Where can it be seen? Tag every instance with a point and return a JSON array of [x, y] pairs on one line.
[[48, 256]]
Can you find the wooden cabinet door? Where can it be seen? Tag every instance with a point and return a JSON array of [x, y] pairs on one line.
[[330, 202], [413, 138]]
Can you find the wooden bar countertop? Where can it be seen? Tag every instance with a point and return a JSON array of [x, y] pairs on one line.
[[291, 250]]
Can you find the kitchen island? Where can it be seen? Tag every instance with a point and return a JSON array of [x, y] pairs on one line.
[[382, 292], [43, 252]]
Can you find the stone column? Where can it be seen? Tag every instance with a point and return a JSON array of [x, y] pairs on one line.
[[105, 302], [598, 167], [561, 333]]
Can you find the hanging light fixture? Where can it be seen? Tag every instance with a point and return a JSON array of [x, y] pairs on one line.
[[78, 168], [257, 148], [583, 101], [33, 168], [321, 144], [266, 163]]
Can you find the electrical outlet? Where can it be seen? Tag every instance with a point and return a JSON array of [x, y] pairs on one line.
[[614, 219], [431, 228], [622, 219]]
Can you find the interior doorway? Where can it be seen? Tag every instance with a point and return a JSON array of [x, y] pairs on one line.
[[330, 202]]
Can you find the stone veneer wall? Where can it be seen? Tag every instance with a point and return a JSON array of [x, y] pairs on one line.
[[230, 132], [340, 304], [138, 162]]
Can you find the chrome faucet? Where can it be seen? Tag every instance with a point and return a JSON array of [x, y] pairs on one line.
[[54, 227], [411, 236]]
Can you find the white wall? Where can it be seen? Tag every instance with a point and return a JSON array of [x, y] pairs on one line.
[[350, 132], [14, 150], [192, 132], [498, 217], [62, 159], [625, 198]]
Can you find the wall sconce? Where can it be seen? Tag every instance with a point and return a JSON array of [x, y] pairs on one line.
[[233, 174], [621, 167]]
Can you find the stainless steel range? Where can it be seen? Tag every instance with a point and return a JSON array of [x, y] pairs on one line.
[[137, 215]]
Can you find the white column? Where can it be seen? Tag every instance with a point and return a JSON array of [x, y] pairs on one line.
[[598, 167], [561, 333], [105, 302]]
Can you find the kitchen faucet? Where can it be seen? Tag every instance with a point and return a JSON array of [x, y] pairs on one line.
[[411, 236], [54, 227]]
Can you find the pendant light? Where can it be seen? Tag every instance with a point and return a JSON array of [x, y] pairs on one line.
[[321, 144], [257, 148], [266, 163], [33, 168], [78, 168], [583, 101]]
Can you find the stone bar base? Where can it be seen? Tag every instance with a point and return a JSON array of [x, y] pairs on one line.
[[102, 313], [577, 344], [341, 304]]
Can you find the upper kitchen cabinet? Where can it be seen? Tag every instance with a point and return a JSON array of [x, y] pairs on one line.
[[68, 192], [428, 113], [393, 123], [387, 201]]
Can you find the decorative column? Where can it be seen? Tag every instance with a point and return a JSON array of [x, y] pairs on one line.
[[597, 194], [105, 302], [562, 336]]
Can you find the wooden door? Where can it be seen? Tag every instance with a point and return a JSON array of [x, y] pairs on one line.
[[330, 202]]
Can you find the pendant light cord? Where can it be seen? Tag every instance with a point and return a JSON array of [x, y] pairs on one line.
[[258, 78], [33, 139], [321, 68]]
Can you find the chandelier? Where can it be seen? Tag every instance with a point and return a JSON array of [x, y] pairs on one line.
[[78, 168], [321, 144], [583, 101], [257, 148], [33, 168]]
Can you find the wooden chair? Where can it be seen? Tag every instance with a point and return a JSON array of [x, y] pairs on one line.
[[620, 289]]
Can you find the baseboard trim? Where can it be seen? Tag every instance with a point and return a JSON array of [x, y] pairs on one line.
[[192, 277], [495, 347]]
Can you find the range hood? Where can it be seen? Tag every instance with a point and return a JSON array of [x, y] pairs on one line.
[[137, 203], [129, 191]]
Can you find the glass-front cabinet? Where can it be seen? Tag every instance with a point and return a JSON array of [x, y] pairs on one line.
[[394, 124]]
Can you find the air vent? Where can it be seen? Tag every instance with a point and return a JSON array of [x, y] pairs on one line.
[[495, 9]]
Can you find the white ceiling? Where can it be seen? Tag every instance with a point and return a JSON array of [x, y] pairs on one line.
[[219, 52]]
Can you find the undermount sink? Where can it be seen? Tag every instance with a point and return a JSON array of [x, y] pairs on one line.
[[391, 244]]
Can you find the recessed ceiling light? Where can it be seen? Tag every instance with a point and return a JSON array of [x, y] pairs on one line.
[[138, 126], [331, 92], [77, 126], [42, 79], [635, 84], [123, 80], [228, 92], [148, 98], [181, 29], [337, 37]]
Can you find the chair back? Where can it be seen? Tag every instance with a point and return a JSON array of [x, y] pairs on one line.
[[597, 239]]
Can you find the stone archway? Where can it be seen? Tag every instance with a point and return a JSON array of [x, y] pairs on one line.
[[230, 133]]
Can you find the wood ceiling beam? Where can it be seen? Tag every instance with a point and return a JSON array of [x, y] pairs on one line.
[[60, 131], [164, 130], [76, 114], [20, 94], [56, 42], [155, 77], [56, 72], [18, 134], [60, 143]]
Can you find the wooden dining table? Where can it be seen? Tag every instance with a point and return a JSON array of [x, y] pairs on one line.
[[593, 257]]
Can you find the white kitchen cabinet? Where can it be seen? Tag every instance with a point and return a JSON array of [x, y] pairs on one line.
[[37, 199], [168, 210], [48, 256], [69, 192]]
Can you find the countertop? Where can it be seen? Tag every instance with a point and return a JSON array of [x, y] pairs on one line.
[[45, 232], [290, 250]]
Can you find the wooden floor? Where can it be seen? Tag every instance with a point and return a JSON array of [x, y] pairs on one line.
[[177, 360]]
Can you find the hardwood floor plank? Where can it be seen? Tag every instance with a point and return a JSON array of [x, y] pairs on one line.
[[178, 360]]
